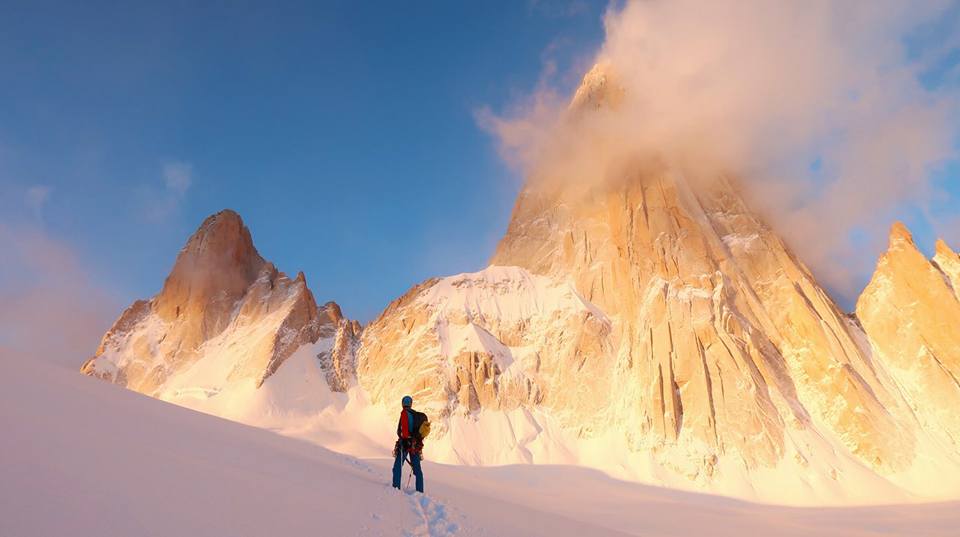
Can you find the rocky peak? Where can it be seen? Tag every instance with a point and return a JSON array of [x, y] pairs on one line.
[[948, 262], [222, 239], [900, 236], [910, 313], [212, 271], [222, 304], [339, 360], [943, 248], [903, 260], [600, 87], [943, 254], [702, 294], [901, 263], [333, 312]]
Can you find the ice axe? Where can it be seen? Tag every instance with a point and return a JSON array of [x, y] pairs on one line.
[[406, 457]]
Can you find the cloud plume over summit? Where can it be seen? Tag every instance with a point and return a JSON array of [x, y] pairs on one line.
[[818, 107]]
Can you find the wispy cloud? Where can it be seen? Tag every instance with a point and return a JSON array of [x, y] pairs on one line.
[[36, 199], [177, 176], [51, 308], [161, 203], [760, 90]]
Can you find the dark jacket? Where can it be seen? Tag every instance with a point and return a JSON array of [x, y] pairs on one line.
[[418, 419], [414, 443]]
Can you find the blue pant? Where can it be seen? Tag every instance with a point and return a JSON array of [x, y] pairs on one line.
[[398, 469]]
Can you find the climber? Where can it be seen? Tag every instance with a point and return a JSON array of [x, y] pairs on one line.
[[411, 430]]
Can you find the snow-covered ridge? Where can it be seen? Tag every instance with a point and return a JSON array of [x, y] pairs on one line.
[[477, 340], [505, 300], [512, 293]]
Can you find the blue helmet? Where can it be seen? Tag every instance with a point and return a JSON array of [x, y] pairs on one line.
[[406, 401]]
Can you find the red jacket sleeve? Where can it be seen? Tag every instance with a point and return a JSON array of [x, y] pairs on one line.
[[403, 428]]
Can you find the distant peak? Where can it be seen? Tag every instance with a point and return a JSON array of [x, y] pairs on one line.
[[223, 230], [333, 311], [225, 213], [218, 257], [944, 250], [600, 87], [226, 217], [899, 233]]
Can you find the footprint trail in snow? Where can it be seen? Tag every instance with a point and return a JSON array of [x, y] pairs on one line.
[[433, 518]]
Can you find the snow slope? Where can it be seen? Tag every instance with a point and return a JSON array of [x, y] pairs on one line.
[[87, 458], [297, 402]]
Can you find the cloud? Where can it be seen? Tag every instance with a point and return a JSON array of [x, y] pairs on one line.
[[177, 176], [816, 106], [36, 198], [50, 306], [160, 204]]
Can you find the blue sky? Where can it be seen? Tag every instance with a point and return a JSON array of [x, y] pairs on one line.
[[343, 132]]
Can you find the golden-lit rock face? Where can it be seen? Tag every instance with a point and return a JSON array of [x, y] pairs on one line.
[[212, 272], [488, 340], [599, 89], [654, 304], [688, 321], [221, 297], [948, 262], [911, 314]]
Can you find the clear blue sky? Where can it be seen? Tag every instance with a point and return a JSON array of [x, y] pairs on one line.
[[343, 132]]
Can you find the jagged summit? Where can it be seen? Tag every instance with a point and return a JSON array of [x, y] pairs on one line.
[[948, 261], [222, 302], [911, 313], [219, 255], [942, 248], [214, 270], [900, 233], [600, 87], [221, 242]]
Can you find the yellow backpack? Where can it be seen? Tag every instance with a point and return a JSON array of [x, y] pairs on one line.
[[424, 428]]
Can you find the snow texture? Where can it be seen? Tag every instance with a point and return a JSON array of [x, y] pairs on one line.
[[86, 459]]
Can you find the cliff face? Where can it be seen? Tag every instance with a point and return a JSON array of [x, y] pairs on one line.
[[948, 262], [481, 341], [721, 334], [221, 302], [911, 314]]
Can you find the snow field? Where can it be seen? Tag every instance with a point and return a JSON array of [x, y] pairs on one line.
[[82, 458]]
